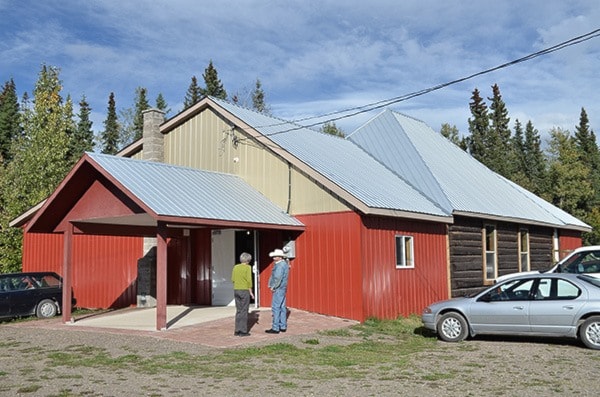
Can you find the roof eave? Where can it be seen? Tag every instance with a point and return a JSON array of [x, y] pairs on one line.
[[25, 217], [409, 215], [523, 221]]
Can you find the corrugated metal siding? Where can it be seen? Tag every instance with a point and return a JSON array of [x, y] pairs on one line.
[[205, 142], [179, 272], [188, 269], [326, 276], [310, 198], [390, 292], [269, 240], [104, 267], [201, 257], [568, 241]]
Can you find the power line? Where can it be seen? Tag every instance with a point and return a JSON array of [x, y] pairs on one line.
[[386, 102]]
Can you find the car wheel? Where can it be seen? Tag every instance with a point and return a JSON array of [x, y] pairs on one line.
[[46, 309], [452, 327], [589, 332]]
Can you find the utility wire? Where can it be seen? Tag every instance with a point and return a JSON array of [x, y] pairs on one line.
[[386, 102]]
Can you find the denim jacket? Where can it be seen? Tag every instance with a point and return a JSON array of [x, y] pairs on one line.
[[279, 277]]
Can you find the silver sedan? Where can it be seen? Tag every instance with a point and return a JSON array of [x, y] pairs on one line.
[[548, 304]]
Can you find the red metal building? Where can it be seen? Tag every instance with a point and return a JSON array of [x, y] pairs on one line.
[[365, 240]]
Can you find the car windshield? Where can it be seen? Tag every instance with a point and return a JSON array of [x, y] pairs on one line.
[[582, 262]]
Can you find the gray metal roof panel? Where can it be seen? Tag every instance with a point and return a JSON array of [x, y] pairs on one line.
[[342, 162], [186, 192], [402, 157], [467, 184]]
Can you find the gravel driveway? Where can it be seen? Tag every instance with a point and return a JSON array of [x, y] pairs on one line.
[[480, 367]]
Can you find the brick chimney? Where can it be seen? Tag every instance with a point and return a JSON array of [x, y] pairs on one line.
[[153, 139], [153, 150]]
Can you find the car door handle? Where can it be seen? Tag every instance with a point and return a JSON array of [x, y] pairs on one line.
[[568, 307], [518, 307]]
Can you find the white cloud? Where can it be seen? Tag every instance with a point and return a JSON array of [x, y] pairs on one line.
[[314, 57]]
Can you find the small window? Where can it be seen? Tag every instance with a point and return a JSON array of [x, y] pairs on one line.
[[404, 252], [556, 289], [566, 290], [489, 257], [523, 250]]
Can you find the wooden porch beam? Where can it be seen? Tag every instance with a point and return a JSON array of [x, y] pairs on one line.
[[67, 275], [161, 277]]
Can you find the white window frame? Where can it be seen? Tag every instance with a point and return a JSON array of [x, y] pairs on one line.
[[405, 259], [524, 233], [490, 252]]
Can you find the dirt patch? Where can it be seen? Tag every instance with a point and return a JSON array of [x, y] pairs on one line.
[[30, 365]]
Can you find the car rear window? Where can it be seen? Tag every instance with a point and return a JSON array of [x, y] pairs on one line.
[[28, 281], [590, 280], [46, 281]]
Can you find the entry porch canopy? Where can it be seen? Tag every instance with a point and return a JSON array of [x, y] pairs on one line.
[[118, 196]]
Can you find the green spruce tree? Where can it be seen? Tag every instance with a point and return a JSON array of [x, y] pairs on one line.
[[193, 94], [71, 131], [498, 145], [10, 119], [110, 135], [530, 163], [83, 139], [161, 104], [585, 140], [213, 86], [141, 104], [520, 176], [258, 99], [479, 125], [536, 162]]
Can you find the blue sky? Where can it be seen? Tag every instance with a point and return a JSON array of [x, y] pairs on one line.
[[314, 57]]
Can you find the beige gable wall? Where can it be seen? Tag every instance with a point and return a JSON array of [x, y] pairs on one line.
[[206, 142]]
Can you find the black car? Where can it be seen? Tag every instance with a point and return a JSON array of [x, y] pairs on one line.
[[28, 294]]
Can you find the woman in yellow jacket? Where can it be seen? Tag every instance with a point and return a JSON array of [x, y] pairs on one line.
[[241, 276]]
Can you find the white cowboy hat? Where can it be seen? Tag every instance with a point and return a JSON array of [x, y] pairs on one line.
[[277, 252]]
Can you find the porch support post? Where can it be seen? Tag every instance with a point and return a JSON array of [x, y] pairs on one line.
[[67, 274], [161, 277]]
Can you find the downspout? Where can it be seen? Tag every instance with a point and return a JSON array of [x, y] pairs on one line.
[[256, 272], [289, 200]]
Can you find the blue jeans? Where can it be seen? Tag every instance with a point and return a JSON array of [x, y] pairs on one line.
[[279, 310]]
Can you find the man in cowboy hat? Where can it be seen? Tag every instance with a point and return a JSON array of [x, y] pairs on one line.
[[278, 285]]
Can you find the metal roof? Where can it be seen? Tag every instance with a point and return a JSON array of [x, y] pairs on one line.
[[176, 191], [450, 176], [342, 162]]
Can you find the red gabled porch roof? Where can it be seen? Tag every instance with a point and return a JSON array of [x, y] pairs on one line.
[[119, 196]]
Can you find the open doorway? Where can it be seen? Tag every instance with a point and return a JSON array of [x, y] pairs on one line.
[[226, 247], [246, 241]]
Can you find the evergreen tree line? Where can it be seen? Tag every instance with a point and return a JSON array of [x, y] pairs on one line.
[[565, 172], [41, 139]]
